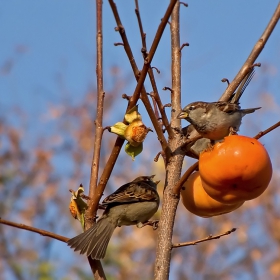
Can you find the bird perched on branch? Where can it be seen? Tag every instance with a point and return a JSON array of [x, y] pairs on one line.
[[194, 148], [132, 204], [214, 120]]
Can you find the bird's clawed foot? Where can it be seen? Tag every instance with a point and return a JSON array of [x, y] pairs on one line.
[[232, 131], [210, 145], [154, 224]]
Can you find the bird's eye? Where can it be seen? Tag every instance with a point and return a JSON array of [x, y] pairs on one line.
[[191, 107]]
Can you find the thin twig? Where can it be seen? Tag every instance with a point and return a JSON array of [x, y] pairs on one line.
[[167, 105], [225, 80], [159, 104], [154, 119], [33, 229], [262, 133], [180, 183], [252, 57], [208, 238], [160, 154], [153, 67], [168, 88], [143, 35], [125, 96], [152, 95], [151, 76], [184, 4], [184, 45], [193, 139], [122, 33]]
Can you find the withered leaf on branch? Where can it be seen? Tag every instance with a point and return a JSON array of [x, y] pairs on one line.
[[135, 132], [78, 206]]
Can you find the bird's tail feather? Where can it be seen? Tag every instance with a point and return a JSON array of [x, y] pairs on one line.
[[94, 241], [82, 239], [250, 110], [97, 249]]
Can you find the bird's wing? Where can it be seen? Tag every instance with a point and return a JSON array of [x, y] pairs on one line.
[[242, 86], [227, 107], [132, 192]]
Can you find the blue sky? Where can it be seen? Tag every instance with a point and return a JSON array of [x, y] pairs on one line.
[[57, 38], [48, 49]]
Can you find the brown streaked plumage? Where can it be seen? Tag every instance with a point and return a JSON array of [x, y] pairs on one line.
[[193, 149], [214, 120], [132, 204]]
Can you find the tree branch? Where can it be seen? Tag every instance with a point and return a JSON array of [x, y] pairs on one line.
[[95, 265], [174, 165], [208, 238], [177, 187], [92, 207], [33, 229], [262, 133], [143, 35], [96, 269]]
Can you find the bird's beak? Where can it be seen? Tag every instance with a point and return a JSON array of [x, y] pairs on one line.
[[182, 115], [151, 177]]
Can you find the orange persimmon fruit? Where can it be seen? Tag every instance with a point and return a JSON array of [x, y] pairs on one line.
[[198, 202], [237, 169]]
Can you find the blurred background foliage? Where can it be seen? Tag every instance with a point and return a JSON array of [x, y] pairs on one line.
[[46, 139]]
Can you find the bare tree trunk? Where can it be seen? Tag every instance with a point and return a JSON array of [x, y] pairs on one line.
[[174, 165]]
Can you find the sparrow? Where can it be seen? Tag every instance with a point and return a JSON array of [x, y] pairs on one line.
[[193, 149], [132, 204], [214, 120]]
